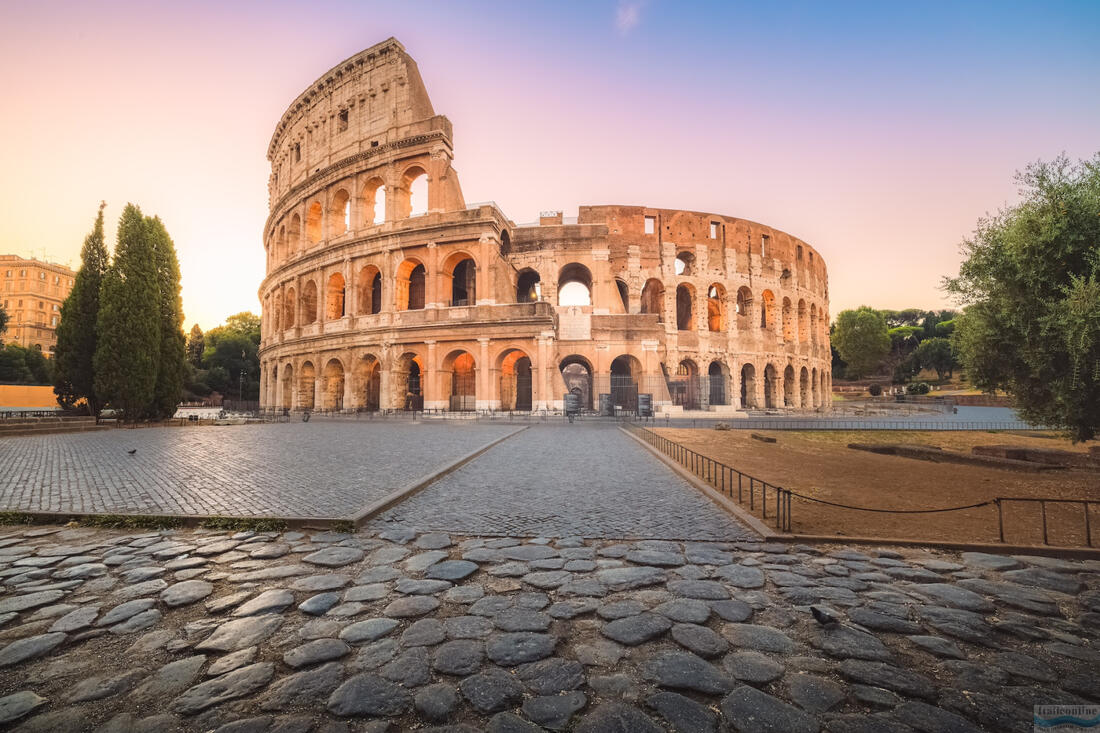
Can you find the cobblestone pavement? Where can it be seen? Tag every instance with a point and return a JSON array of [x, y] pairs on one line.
[[316, 469], [559, 481], [201, 631]]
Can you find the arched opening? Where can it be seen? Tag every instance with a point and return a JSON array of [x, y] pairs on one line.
[[290, 306], [788, 321], [625, 371], [528, 286], [719, 379], [410, 285], [280, 246], [309, 302], [804, 388], [685, 263], [414, 186], [370, 290], [407, 387], [374, 202], [332, 387], [748, 386], [294, 235], [339, 214], [624, 294], [716, 315], [574, 285], [685, 307], [515, 381], [684, 386], [462, 271], [459, 367], [307, 386], [368, 383], [505, 243], [287, 375], [653, 298], [744, 308], [767, 311], [803, 325], [576, 372], [771, 393], [314, 220], [788, 387], [334, 297]]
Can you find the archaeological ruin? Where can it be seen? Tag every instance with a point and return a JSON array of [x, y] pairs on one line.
[[386, 290]]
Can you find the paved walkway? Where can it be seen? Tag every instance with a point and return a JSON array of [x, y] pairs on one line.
[[561, 481], [199, 631], [315, 469]]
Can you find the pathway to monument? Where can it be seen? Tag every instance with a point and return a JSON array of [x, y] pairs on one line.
[[559, 481]]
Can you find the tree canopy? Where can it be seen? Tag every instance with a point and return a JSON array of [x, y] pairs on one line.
[[1031, 283], [862, 340]]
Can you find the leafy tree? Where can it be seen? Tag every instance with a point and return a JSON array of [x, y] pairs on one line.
[[944, 329], [195, 346], [169, 385], [1032, 281], [862, 340], [13, 365], [129, 343], [936, 353], [74, 376], [906, 317], [3, 319]]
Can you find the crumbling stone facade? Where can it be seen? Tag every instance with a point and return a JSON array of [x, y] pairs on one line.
[[380, 295]]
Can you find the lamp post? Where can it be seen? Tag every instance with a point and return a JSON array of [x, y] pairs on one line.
[[240, 380]]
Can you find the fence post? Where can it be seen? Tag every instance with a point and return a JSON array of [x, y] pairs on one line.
[[751, 482], [1043, 507], [764, 499], [1088, 525]]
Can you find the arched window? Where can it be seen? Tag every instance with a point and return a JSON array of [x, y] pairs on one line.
[[748, 386], [716, 310], [332, 388], [462, 370], [574, 285], [653, 298], [294, 235], [528, 286], [280, 246], [685, 304], [788, 387], [463, 273], [409, 285], [685, 263], [369, 300], [290, 306], [314, 218], [374, 202], [719, 383], [334, 295], [339, 214], [576, 372], [413, 196], [309, 303]]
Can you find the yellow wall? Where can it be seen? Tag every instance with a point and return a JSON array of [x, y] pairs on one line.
[[22, 395]]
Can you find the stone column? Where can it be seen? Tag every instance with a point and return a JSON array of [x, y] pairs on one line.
[[433, 295], [349, 388], [602, 285], [318, 383], [429, 387], [483, 280], [484, 393], [541, 398]]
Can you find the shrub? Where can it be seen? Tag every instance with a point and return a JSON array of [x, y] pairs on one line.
[[875, 389], [918, 388]]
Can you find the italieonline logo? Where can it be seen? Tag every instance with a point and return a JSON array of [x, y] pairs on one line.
[[1064, 718]]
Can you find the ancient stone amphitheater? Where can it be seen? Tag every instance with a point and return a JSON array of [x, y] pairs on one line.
[[385, 290]]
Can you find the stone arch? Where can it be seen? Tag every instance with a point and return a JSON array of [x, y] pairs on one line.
[[413, 191], [624, 293], [335, 306], [410, 284], [408, 382], [767, 311], [803, 322], [684, 263], [281, 252], [626, 370], [771, 386], [307, 385], [528, 286], [718, 377], [804, 388], [369, 290], [653, 298], [309, 302], [788, 321], [290, 307], [294, 234], [332, 385], [339, 214], [374, 202], [685, 307], [748, 386], [459, 372], [576, 274], [577, 373], [287, 375], [684, 388], [744, 307], [315, 222], [716, 308], [789, 387], [368, 382], [514, 367], [460, 278]]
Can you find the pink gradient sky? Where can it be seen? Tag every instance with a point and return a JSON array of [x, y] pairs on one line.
[[878, 134]]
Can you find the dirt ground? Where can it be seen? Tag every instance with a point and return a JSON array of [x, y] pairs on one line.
[[819, 464]]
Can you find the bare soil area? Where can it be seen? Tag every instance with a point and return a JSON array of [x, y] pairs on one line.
[[819, 464]]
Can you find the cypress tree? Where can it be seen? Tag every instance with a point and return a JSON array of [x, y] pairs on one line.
[[196, 344], [128, 328], [74, 378], [169, 385]]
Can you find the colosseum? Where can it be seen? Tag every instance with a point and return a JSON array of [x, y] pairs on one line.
[[385, 290]]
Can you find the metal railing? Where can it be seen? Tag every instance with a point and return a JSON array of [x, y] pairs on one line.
[[1085, 504]]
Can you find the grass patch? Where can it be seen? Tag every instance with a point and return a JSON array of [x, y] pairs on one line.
[[244, 524], [16, 518], [343, 526], [131, 521]]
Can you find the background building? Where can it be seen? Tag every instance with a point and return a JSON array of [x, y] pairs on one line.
[[32, 292]]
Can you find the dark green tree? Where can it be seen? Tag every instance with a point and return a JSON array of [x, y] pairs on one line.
[[13, 365], [937, 354], [129, 345], [1031, 278], [3, 319], [170, 366], [195, 347], [74, 375], [862, 340]]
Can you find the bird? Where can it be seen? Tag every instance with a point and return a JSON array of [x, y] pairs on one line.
[[823, 617], [132, 451]]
